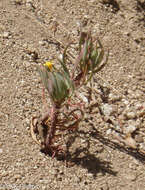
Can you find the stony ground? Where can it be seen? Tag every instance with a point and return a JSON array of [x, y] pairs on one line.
[[108, 151]]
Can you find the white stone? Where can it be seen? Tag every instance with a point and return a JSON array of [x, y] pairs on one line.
[[130, 115], [130, 129], [106, 109], [42, 43], [6, 34], [83, 98], [109, 131], [60, 57]]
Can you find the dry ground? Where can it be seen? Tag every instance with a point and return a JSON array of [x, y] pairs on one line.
[[99, 161]]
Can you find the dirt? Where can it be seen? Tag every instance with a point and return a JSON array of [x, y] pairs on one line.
[[34, 31]]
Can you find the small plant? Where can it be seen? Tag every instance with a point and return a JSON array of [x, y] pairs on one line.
[[61, 84]]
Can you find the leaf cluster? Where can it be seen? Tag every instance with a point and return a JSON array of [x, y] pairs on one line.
[[91, 55], [61, 83]]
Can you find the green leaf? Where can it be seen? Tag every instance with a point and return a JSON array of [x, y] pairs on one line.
[[62, 90], [63, 61], [44, 77], [103, 65], [85, 51], [99, 58]]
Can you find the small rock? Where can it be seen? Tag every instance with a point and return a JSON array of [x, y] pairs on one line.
[[83, 141], [131, 176], [129, 141], [130, 115], [142, 146], [90, 175], [83, 98], [109, 131], [1, 150], [139, 139], [138, 123], [5, 173], [95, 110], [130, 92], [42, 43], [6, 34], [130, 129], [54, 172], [106, 109], [60, 57], [132, 166], [138, 106], [126, 102], [127, 33], [118, 128], [137, 95], [114, 98]]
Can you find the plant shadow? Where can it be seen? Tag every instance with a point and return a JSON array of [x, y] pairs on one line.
[[89, 160], [84, 158], [114, 145]]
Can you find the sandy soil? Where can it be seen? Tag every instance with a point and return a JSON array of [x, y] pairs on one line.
[[97, 160]]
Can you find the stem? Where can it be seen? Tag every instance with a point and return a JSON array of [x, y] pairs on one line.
[[52, 130]]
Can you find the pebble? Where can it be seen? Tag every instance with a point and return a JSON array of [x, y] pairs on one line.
[[130, 115], [109, 131], [90, 175], [138, 106], [6, 34], [138, 123], [60, 57], [129, 141], [130, 92], [131, 176], [95, 110], [106, 109], [118, 128], [5, 173], [142, 146], [83, 98], [1, 150], [129, 129], [126, 102], [83, 141], [137, 95], [42, 43], [114, 98], [132, 166], [139, 139]]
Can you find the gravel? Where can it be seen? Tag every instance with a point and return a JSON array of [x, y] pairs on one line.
[[99, 154]]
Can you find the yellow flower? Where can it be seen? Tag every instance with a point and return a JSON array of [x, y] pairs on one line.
[[49, 65]]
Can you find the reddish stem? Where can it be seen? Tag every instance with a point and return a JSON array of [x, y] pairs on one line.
[[52, 130]]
